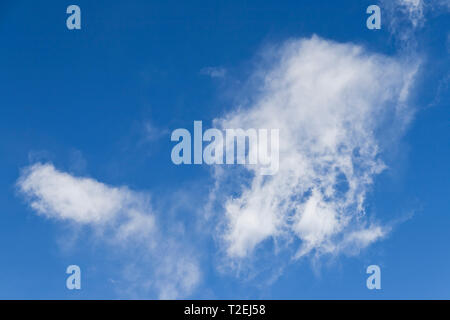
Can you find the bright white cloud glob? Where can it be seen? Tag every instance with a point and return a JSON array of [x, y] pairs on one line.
[[332, 103], [60, 195]]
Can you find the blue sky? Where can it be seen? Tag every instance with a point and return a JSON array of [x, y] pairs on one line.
[[99, 104]]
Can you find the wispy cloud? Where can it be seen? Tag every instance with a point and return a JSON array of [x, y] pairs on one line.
[[214, 72], [120, 217], [332, 102], [405, 17], [152, 132]]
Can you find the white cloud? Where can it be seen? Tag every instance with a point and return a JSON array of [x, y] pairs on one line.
[[405, 17], [177, 273], [332, 103], [123, 217], [60, 195], [414, 10], [153, 133]]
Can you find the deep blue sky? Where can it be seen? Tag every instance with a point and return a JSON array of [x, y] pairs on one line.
[[81, 100]]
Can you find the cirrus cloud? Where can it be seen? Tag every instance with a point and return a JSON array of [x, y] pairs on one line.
[[333, 103]]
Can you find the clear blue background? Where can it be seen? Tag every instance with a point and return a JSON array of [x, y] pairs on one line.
[[80, 99]]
